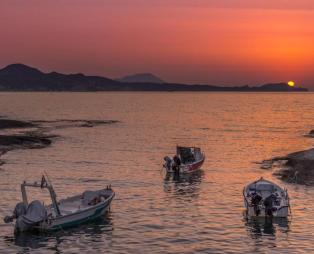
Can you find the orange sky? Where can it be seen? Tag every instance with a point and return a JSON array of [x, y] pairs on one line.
[[200, 41]]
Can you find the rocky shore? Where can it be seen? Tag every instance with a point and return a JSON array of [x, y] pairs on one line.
[[296, 167], [310, 134], [17, 134], [12, 124]]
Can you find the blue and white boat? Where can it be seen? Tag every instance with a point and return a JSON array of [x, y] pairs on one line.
[[61, 214], [263, 198]]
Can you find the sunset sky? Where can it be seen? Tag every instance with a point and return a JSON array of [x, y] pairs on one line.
[[221, 42]]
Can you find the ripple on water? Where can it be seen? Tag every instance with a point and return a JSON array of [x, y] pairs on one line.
[[154, 213]]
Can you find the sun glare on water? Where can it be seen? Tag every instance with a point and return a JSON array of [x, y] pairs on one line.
[[291, 83]]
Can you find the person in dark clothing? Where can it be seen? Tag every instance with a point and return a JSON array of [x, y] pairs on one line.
[[168, 163], [255, 200], [268, 203], [177, 163]]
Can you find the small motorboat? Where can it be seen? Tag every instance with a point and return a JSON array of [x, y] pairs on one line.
[[186, 160], [263, 198], [61, 214]]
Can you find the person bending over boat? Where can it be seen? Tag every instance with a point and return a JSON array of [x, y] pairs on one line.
[[168, 163]]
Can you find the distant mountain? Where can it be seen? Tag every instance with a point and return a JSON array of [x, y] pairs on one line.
[[141, 78], [20, 77], [20, 69]]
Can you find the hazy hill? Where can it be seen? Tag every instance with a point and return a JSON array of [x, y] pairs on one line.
[[19, 77], [141, 78], [22, 77]]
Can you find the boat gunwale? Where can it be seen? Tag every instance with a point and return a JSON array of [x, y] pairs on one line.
[[88, 208], [194, 162], [245, 189]]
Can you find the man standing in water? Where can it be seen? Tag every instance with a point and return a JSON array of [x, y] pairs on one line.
[[176, 166]]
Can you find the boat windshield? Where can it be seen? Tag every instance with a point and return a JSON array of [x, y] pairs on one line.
[[262, 187], [187, 154]]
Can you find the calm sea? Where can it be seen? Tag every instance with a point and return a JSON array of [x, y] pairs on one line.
[[152, 214]]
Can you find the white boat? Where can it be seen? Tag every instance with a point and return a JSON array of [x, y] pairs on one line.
[[61, 214], [190, 160], [263, 198]]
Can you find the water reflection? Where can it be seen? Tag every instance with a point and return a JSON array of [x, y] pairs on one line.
[[94, 231], [153, 213], [183, 184], [192, 178], [259, 227]]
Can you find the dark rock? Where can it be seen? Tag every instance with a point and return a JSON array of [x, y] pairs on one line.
[[24, 141], [11, 124], [297, 167], [12, 142], [36, 138]]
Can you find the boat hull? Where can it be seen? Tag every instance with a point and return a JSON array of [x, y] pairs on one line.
[[189, 168], [77, 218]]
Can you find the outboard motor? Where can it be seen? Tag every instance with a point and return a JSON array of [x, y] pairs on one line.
[[19, 210], [35, 213]]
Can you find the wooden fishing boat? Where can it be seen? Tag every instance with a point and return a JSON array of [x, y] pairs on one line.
[[61, 214], [190, 160], [264, 198]]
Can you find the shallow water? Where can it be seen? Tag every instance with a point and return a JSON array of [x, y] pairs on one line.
[[153, 214]]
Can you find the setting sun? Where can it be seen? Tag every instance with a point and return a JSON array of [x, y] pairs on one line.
[[291, 83]]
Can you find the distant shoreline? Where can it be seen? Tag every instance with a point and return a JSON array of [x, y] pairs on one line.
[[22, 78], [118, 91]]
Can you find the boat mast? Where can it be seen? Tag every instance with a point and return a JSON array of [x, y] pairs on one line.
[[24, 195], [46, 182]]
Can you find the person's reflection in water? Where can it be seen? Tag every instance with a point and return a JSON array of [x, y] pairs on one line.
[[266, 226], [183, 184], [192, 178]]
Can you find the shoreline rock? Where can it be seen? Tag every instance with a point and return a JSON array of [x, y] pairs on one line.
[[296, 167], [15, 124], [22, 141], [36, 137], [310, 134]]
